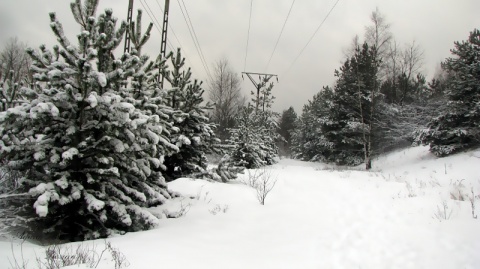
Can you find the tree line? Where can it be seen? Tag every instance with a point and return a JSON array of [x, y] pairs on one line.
[[381, 101]]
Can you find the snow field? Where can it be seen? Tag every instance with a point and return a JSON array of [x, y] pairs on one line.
[[316, 217]]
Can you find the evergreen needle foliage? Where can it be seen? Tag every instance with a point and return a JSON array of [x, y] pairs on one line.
[[195, 136], [92, 143], [253, 142], [458, 126]]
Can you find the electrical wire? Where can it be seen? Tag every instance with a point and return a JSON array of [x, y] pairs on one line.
[[173, 32], [248, 36], [171, 28], [308, 42], [196, 38], [154, 19], [193, 38], [279, 36]]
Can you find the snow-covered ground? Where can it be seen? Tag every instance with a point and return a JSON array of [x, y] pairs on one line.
[[317, 216]]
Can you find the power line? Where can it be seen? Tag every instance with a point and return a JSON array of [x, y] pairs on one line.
[[171, 28], [308, 42], [196, 37], [154, 19], [248, 36], [278, 39], [193, 38]]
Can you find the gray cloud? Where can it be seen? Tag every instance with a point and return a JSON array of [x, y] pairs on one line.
[[221, 26]]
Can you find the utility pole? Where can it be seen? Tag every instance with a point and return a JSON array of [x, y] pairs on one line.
[[163, 46], [263, 79], [129, 22]]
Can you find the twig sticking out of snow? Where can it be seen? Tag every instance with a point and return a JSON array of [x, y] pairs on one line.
[[262, 181], [443, 213], [472, 203]]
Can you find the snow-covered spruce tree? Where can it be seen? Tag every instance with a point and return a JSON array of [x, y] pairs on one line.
[[195, 136], [245, 140], [308, 140], [88, 151], [342, 128], [458, 127], [254, 141], [352, 117]]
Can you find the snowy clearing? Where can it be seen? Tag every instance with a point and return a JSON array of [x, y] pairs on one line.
[[317, 216]]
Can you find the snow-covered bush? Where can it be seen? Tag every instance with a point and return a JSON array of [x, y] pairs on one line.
[[90, 147]]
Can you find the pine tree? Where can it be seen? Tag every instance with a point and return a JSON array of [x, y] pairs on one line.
[[245, 140], [254, 141], [308, 139], [458, 128], [195, 136], [350, 127], [90, 152], [138, 40]]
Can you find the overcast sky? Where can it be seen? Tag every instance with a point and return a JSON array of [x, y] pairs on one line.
[[221, 27]]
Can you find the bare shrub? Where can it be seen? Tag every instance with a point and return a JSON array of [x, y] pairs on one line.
[[458, 191], [411, 191], [202, 196], [182, 211], [262, 181], [218, 208], [59, 256], [118, 258], [443, 212], [472, 199], [434, 182], [20, 262], [252, 177]]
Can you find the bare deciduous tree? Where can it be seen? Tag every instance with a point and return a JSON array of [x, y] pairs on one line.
[[393, 62], [225, 93], [411, 63], [379, 35], [14, 72], [411, 59], [349, 51]]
